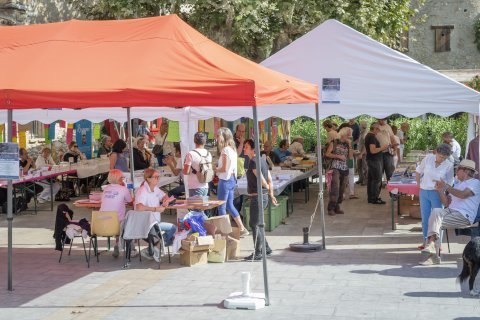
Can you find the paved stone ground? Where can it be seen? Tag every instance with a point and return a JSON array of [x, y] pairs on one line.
[[368, 271]]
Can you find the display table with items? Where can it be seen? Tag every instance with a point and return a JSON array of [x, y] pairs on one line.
[[403, 188], [26, 184]]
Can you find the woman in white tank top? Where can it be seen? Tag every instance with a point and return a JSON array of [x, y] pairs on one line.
[[227, 174]]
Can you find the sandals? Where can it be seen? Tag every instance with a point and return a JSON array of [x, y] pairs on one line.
[[353, 197]]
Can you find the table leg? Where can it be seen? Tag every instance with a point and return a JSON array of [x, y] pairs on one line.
[[291, 197], [51, 194], [393, 211]]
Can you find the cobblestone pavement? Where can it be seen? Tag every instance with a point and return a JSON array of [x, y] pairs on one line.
[[368, 271]]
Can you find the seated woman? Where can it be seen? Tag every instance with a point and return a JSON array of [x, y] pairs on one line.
[[142, 158], [115, 197], [149, 197], [282, 151], [73, 155], [175, 164], [118, 159], [44, 160]]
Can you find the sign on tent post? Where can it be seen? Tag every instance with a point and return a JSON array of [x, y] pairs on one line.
[[9, 161]]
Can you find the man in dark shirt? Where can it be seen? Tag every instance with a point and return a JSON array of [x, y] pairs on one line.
[[375, 164], [355, 130], [267, 191]]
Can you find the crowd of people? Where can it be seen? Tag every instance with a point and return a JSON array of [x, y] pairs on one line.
[[370, 151]]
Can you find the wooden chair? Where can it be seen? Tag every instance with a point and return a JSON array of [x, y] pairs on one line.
[[103, 224]]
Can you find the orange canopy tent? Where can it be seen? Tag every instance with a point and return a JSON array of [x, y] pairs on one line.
[[159, 61]]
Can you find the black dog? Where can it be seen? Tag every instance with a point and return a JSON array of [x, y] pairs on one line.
[[471, 263]]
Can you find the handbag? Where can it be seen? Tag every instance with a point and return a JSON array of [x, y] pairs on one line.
[[157, 149]]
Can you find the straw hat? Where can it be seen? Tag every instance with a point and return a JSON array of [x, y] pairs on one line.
[[469, 164], [297, 137]]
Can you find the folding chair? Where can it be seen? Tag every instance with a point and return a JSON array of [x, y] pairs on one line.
[[472, 227], [103, 224], [77, 234], [138, 225]]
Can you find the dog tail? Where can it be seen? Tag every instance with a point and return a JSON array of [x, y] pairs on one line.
[[465, 271]]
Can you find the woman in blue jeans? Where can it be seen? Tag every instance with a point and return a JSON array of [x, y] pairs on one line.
[[227, 174], [433, 167]]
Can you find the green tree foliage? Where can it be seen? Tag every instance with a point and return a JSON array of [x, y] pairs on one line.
[[475, 82], [423, 134], [257, 28], [476, 29]]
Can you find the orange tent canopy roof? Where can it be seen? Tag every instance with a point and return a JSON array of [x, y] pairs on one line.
[[159, 61]]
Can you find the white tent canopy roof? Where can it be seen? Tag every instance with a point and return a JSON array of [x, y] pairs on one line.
[[374, 80]]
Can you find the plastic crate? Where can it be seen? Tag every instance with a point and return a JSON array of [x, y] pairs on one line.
[[278, 214]]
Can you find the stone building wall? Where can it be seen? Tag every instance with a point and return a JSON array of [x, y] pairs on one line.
[[463, 53]]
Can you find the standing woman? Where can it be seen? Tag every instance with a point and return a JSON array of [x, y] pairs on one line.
[[227, 174], [433, 167], [340, 150], [118, 160]]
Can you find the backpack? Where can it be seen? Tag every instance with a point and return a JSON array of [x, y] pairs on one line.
[[205, 173]]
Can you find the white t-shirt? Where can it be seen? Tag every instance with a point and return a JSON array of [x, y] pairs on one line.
[[114, 198], [467, 207], [231, 167], [429, 173], [148, 197], [193, 160], [456, 149], [296, 148], [42, 162]]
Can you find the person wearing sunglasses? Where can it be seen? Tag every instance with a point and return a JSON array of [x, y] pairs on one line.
[[461, 202], [149, 197]]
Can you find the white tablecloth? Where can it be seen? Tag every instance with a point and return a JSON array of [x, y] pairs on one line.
[[281, 179]]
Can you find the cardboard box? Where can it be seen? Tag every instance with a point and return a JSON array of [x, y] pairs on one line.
[[198, 244], [222, 224], [233, 248], [410, 206], [235, 234], [219, 251], [192, 258]]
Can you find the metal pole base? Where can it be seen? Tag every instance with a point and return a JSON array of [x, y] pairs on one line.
[[305, 246]]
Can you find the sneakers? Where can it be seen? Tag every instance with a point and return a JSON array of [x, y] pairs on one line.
[[378, 201], [269, 252], [116, 251], [244, 232], [429, 248], [144, 253], [253, 257], [432, 259]]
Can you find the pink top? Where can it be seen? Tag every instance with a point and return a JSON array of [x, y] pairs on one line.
[[114, 198]]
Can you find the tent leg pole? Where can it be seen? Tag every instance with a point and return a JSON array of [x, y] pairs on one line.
[[260, 204], [320, 176], [129, 129], [10, 209]]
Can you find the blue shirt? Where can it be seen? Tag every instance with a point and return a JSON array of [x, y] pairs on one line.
[[282, 154]]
